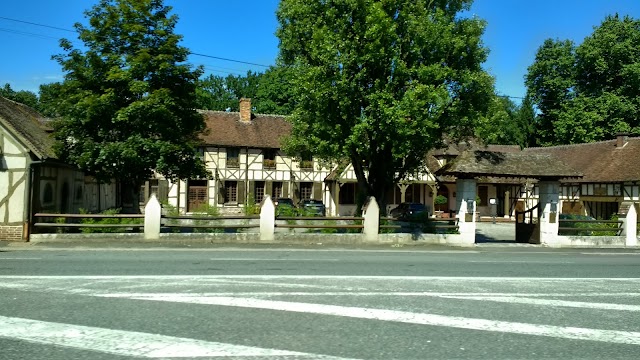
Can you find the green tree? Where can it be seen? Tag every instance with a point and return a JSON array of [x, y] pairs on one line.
[[212, 94], [129, 97], [224, 93], [22, 96], [550, 81], [502, 125], [274, 94], [50, 97], [380, 82], [590, 92], [526, 118]]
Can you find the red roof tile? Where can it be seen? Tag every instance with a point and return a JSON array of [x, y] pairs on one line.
[[226, 129], [600, 161]]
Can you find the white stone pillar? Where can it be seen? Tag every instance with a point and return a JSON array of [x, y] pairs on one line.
[[466, 207], [152, 218], [548, 218], [371, 214], [267, 219], [629, 223]]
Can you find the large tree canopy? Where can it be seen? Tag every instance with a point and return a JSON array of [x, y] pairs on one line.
[[589, 92], [380, 82], [270, 91], [128, 97]]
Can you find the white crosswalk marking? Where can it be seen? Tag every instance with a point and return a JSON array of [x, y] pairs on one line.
[[335, 296], [130, 343], [611, 336]]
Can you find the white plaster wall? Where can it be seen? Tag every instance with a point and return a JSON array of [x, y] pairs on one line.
[[16, 212], [11, 145]]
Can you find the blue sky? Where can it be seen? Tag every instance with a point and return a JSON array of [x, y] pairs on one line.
[[244, 30]]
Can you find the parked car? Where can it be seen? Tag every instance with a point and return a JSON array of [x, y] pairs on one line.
[[314, 207], [284, 204], [405, 211]]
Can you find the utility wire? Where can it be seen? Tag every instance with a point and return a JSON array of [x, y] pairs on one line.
[[36, 24], [73, 31]]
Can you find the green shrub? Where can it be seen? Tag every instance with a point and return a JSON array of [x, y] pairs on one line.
[[108, 221], [206, 210]]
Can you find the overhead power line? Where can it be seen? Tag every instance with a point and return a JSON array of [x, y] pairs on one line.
[[226, 59], [73, 31], [36, 24]]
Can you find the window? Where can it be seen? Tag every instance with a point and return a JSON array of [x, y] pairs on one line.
[[231, 189], [276, 190], [412, 194], [197, 194], [269, 161], [483, 194], [233, 157], [306, 190], [306, 161], [258, 192], [348, 193], [47, 196]]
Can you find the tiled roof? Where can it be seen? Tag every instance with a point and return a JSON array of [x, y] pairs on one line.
[[599, 161], [25, 123], [508, 164], [226, 129]]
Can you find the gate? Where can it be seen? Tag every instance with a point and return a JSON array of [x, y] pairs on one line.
[[526, 225]]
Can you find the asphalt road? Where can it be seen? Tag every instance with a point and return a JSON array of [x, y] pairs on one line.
[[221, 303]]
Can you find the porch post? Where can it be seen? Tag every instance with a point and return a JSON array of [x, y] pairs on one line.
[[548, 212], [466, 207], [629, 217], [371, 223], [152, 218], [267, 219]]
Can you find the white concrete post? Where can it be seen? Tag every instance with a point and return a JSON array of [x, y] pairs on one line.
[[371, 224], [152, 218], [548, 221], [267, 219], [629, 224], [466, 190]]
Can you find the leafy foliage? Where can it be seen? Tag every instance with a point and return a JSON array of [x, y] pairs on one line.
[[380, 82], [270, 91], [128, 97], [107, 221], [588, 92], [24, 97]]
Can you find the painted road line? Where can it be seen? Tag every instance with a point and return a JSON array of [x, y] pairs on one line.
[[546, 302], [130, 343], [452, 295], [165, 278], [256, 259], [574, 333]]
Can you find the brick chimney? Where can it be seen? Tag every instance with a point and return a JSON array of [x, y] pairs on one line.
[[245, 110], [621, 140]]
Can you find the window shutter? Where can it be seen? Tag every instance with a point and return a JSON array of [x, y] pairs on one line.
[[296, 192], [268, 188], [241, 192], [163, 191], [222, 193], [252, 190], [317, 191]]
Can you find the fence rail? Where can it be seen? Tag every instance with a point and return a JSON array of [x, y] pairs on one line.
[[65, 224], [585, 227]]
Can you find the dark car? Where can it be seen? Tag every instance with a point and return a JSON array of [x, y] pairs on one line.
[[284, 205], [406, 211], [313, 207]]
